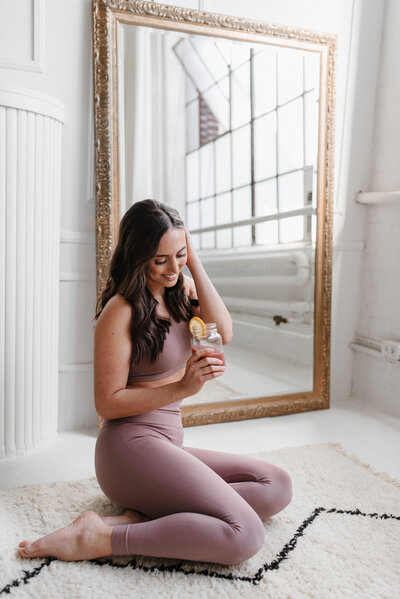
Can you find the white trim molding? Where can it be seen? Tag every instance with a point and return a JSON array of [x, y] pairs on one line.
[[21, 98], [375, 347], [378, 198], [367, 345], [364, 349]]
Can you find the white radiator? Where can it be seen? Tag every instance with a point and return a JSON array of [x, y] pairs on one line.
[[30, 165]]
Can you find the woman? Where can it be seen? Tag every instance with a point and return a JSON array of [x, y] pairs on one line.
[[180, 502]]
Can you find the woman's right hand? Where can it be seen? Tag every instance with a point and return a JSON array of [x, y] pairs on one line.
[[200, 367]]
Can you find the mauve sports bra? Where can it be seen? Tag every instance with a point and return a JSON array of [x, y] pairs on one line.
[[175, 354]]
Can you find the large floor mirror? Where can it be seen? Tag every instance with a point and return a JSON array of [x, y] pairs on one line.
[[232, 122]]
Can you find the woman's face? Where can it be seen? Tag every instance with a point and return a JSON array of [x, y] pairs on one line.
[[164, 268]]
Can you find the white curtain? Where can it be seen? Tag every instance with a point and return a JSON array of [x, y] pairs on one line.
[[152, 127], [141, 117]]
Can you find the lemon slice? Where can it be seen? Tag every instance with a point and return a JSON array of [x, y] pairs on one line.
[[197, 327]]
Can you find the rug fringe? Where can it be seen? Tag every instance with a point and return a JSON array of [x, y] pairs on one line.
[[352, 456]]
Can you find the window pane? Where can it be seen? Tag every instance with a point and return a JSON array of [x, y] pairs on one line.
[[224, 86], [196, 241], [291, 229], [193, 64], [264, 81], [265, 147], [311, 71], [192, 126], [224, 238], [193, 216], [315, 184], [209, 125], [241, 156], [223, 163], [191, 91], [314, 228], [241, 204], [218, 104], [290, 136], [210, 55], [224, 208], [207, 170], [207, 212], [225, 48], [241, 96], [234, 53], [307, 233], [208, 240], [242, 236], [192, 177], [267, 233], [266, 198], [290, 74], [308, 176], [240, 53], [311, 128], [291, 191]]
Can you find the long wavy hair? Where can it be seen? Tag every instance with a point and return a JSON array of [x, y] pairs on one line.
[[140, 231]]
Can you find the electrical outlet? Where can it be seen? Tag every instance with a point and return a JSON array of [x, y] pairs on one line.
[[390, 349]]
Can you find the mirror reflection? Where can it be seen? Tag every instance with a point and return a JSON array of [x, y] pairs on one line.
[[227, 133]]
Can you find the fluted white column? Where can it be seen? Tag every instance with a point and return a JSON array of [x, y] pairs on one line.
[[30, 164]]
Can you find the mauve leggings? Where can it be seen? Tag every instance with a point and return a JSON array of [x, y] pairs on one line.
[[204, 505]]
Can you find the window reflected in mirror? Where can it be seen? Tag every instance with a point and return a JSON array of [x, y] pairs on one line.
[[227, 132]]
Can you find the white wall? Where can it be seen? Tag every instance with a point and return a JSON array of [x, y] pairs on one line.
[[375, 380], [65, 74], [66, 37]]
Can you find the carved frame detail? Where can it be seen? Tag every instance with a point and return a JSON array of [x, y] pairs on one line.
[[106, 16]]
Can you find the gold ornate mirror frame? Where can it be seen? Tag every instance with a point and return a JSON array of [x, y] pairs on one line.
[[107, 14]]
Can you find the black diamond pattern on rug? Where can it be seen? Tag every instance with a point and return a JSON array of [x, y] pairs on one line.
[[255, 579]]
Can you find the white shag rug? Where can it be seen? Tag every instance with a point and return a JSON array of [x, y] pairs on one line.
[[338, 538]]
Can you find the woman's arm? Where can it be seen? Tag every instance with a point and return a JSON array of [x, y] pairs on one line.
[[212, 308], [112, 357]]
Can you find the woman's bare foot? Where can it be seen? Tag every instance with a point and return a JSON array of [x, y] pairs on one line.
[[87, 537], [128, 517]]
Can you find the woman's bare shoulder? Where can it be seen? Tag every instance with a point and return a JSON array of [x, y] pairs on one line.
[[117, 310]]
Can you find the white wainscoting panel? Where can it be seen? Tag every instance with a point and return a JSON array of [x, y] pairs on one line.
[[77, 310], [21, 35], [30, 166]]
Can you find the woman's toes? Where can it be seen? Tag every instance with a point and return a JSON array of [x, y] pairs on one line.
[[30, 549], [23, 543], [25, 551], [85, 538]]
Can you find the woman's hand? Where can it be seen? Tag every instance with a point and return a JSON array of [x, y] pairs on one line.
[[192, 256], [200, 367], [212, 308]]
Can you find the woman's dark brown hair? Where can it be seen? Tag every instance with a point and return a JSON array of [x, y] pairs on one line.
[[140, 231]]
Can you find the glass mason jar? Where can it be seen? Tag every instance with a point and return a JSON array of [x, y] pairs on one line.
[[210, 338]]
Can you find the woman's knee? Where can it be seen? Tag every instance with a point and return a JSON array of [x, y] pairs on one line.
[[285, 484], [247, 539], [282, 491]]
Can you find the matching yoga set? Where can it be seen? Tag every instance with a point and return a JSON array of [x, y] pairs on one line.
[[203, 505]]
